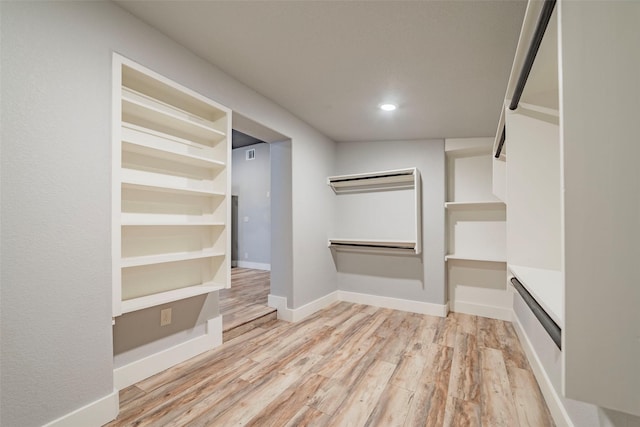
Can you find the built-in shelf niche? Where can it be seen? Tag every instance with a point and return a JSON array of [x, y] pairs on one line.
[[475, 217], [171, 186], [378, 211]]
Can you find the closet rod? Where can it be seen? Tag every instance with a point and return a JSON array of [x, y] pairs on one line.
[[541, 26], [362, 178], [546, 321], [501, 143]]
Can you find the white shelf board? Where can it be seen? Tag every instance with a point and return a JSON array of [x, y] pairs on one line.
[[495, 204], [141, 303], [375, 181], [473, 258], [163, 258], [169, 220], [159, 113], [137, 139], [546, 287], [158, 182], [539, 109]]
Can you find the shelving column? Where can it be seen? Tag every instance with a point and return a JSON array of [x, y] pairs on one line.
[[171, 184], [476, 232]]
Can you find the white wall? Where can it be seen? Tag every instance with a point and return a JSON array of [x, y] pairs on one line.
[[251, 182], [417, 278], [56, 107]]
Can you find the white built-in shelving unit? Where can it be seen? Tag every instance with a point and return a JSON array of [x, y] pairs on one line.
[[564, 173], [476, 231], [171, 181], [475, 217], [378, 211]]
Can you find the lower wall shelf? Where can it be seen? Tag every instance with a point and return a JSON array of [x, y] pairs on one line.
[[451, 257], [373, 245], [546, 287], [147, 301]]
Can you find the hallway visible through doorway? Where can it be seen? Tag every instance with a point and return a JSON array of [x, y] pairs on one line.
[[244, 305]]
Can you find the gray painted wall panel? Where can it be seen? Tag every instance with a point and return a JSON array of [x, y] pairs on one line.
[[418, 278], [55, 235]]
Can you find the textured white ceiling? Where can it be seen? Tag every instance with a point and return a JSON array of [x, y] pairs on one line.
[[445, 63]]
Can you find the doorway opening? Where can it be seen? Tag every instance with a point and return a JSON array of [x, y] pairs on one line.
[[245, 305]]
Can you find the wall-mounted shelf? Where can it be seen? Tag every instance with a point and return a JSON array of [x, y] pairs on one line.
[[378, 211], [372, 245], [170, 188], [374, 181], [479, 258]]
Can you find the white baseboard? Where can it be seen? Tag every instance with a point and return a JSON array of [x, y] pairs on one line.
[[280, 304], [96, 413], [440, 310], [489, 311], [297, 314], [254, 265], [150, 365], [553, 399]]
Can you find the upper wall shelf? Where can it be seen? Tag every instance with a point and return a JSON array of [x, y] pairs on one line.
[[491, 204], [374, 181]]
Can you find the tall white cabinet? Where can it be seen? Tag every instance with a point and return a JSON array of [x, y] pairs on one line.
[[171, 187], [570, 179]]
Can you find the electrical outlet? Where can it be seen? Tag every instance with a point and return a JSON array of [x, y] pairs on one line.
[[246, 255], [165, 317]]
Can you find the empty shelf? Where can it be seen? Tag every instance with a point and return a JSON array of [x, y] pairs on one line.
[[546, 287], [374, 181], [160, 298]]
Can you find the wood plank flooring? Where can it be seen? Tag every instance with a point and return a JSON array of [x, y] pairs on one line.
[[349, 365], [244, 305]]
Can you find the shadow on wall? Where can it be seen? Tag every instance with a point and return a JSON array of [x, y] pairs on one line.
[[405, 267], [137, 329]]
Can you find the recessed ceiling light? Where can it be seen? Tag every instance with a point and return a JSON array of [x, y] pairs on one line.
[[388, 107]]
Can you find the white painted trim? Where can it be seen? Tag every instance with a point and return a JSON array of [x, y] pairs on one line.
[[96, 413], [280, 304], [297, 314], [551, 396], [490, 311], [314, 306], [395, 303], [150, 365], [254, 265]]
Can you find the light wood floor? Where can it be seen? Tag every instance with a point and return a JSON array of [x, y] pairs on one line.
[[244, 305], [349, 365]]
